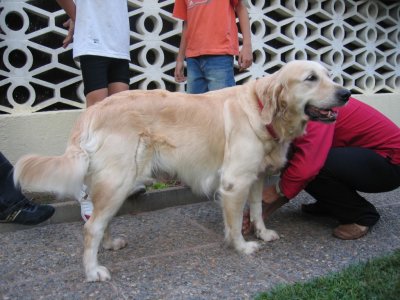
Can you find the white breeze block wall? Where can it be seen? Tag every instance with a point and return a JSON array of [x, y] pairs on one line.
[[40, 84]]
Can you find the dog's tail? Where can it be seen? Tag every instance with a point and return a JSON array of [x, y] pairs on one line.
[[62, 175]]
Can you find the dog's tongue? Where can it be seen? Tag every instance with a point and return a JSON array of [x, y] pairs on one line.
[[322, 115]]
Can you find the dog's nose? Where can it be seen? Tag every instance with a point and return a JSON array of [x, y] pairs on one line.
[[343, 95]]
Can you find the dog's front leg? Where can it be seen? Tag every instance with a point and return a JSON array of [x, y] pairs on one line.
[[233, 200], [255, 201]]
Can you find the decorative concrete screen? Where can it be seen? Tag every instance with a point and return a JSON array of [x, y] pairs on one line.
[[357, 40]]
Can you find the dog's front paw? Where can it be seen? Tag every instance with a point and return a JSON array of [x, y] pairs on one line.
[[114, 244], [98, 273], [247, 247], [267, 235]]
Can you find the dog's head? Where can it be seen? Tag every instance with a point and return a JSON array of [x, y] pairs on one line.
[[300, 90]]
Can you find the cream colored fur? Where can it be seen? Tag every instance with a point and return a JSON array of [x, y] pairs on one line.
[[213, 142]]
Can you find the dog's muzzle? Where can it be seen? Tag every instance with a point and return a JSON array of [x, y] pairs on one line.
[[328, 115], [321, 115]]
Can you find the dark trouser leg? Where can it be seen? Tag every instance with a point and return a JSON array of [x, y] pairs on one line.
[[346, 171], [10, 196]]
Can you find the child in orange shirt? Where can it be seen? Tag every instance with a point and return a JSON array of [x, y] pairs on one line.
[[210, 41]]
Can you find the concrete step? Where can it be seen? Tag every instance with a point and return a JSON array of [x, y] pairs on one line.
[[68, 210]]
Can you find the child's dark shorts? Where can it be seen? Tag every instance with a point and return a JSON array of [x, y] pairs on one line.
[[99, 71]]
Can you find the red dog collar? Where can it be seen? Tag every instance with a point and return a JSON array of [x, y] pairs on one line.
[[269, 127]]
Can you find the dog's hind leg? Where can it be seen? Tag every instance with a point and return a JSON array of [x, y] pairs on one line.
[[107, 199], [112, 244], [255, 201]]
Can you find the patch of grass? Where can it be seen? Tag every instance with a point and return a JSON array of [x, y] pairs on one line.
[[376, 279], [165, 184]]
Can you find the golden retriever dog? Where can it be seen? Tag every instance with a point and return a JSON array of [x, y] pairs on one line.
[[224, 141]]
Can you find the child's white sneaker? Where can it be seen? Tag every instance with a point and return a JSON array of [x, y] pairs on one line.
[[86, 205]]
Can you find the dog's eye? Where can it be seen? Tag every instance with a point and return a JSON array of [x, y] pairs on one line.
[[312, 77]]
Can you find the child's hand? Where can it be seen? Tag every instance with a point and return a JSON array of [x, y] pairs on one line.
[[179, 72], [245, 57], [70, 36]]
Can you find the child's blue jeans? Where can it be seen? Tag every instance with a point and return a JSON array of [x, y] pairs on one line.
[[209, 72]]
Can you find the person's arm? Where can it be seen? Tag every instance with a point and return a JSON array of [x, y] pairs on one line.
[[70, 9], [310, 153], [180, 12], [180, 60], [246, 54]]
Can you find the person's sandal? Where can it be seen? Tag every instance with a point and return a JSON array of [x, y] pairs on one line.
[[250, 229], [350, 231]]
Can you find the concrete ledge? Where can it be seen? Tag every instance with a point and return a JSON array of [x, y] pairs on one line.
[[69, 211]]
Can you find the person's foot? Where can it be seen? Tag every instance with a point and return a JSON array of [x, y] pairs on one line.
[[29, 214], [315, 209], [247, 225], [350, 231], [86, 206]]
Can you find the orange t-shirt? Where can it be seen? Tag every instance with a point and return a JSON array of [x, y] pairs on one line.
[[211, 26]]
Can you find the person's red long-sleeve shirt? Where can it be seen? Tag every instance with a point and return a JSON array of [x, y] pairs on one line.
[[357, 125]]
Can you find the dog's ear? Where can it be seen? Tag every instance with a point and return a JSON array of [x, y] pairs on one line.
[[280, 98], [272, 95]]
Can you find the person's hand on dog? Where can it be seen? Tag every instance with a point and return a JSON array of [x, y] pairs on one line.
[[269, 194]]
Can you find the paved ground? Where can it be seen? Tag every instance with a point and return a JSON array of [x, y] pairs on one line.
[[177, 253]]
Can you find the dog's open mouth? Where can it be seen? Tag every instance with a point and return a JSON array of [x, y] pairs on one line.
[[321, 115]]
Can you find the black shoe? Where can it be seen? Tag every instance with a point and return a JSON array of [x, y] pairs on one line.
[[30, 214], [315, 209], [138, 190]]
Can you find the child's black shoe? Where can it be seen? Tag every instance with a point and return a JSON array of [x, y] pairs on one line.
[[29, 214]]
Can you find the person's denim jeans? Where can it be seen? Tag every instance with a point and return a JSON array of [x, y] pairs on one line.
[[209, 72], [10, 195]]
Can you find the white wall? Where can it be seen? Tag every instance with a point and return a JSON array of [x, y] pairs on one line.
[[357, 41], [388, 104], [42, 133]]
